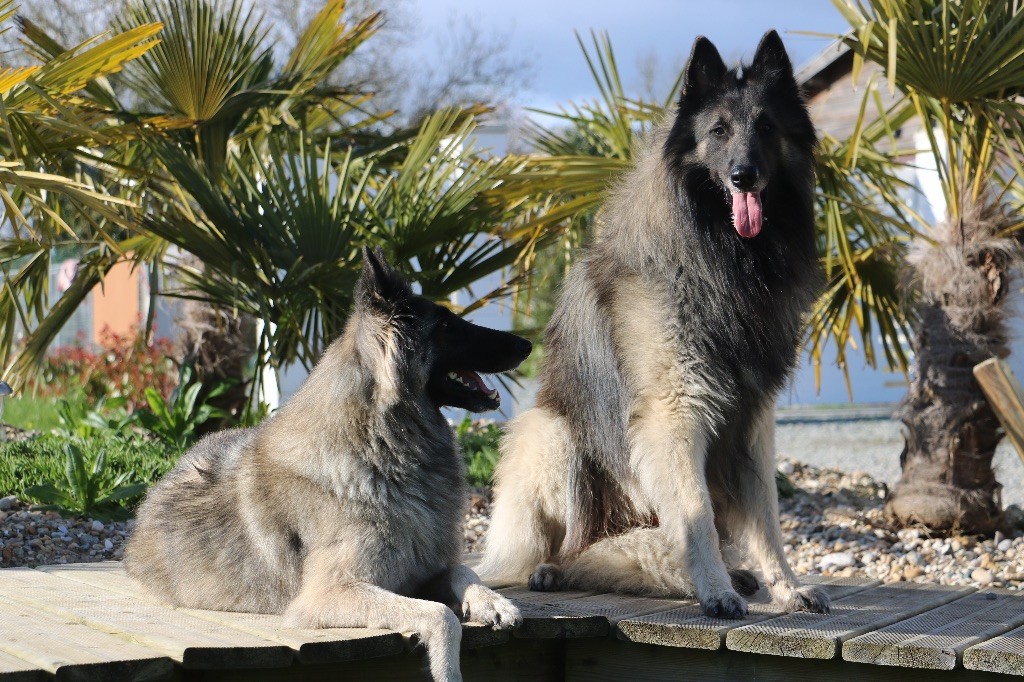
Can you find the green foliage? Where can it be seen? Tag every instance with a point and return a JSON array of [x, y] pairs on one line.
[[479, 441], [176, 420], [961, 70], [79, 419], [253, 415], [55, 189], [27, 463], [87, 487]]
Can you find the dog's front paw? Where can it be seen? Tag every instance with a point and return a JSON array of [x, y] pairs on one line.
[[546, 578], [801, 598], [726, 604], [483, 605]]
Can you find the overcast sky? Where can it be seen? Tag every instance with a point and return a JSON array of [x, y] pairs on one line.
[[543, 31]]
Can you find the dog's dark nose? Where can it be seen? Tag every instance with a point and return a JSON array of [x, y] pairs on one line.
[[744, 178], [523, 347]]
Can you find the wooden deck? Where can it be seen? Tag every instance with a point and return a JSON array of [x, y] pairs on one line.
[[91, 622]]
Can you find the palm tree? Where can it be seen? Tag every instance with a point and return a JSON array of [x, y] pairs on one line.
[[270, 181], [960, 68], [57, 194]]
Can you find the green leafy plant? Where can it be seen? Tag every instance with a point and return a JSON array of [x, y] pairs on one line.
[[78, 418], [175, 420], [88, 488], [479, 441], [25, 463]]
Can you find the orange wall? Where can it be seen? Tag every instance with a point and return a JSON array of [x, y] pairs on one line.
[[115, 303]]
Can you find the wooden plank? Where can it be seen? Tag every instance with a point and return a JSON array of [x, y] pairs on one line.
[[521, 594], [937, 639], [310, 646], [687, 626], [541, 620], [193, 642], [616, 607], [1002, 654], [1006, 397], [14, 669], [812, 635], [72, 651]]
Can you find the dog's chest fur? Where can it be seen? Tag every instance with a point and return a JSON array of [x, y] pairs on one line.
[[398, 486]]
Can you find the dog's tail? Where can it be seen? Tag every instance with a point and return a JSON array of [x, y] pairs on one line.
[[526, 526]]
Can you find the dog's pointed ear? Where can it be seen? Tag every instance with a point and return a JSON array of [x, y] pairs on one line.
[[378, 282], [770, 58], [705, 70]]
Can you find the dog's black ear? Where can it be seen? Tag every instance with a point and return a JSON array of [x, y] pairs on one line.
[[378, 282], [705, 70], [770, 58]]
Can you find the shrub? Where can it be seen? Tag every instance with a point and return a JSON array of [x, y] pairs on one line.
[[26, 463], [176, 420], [478, 441], [87, 487], [125, 366], [78, 418]]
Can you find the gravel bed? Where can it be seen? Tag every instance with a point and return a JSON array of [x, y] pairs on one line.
[[37, 538]]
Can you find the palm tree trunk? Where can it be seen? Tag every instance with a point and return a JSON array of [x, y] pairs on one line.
[[951, 436], [951, 431], [219, 345]]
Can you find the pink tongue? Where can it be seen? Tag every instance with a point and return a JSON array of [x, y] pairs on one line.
[[474, 378], [746, 213]]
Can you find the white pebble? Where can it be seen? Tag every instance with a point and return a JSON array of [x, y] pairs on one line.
[[108, 545], [97, 526], [837, 560]]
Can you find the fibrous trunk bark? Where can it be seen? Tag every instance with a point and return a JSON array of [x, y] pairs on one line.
[[951, 431], [951, 436]]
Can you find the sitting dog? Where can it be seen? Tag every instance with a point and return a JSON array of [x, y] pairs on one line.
[[651, 449], [345, 508]]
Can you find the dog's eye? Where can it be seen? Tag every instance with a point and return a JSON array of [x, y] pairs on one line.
[[718, 131], [765, 126]]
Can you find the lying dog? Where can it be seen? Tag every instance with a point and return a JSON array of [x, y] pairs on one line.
[[345, 508]]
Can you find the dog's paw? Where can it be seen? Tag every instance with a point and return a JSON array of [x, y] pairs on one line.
[[483, 605], [546, 578], [744, 582], [802, 598], [726, 604]]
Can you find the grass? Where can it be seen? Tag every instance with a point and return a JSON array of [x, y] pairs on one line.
[[31, 413], [42, 460]]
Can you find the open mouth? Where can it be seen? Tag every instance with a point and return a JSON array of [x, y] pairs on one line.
[[747, 213], [470, 391]]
